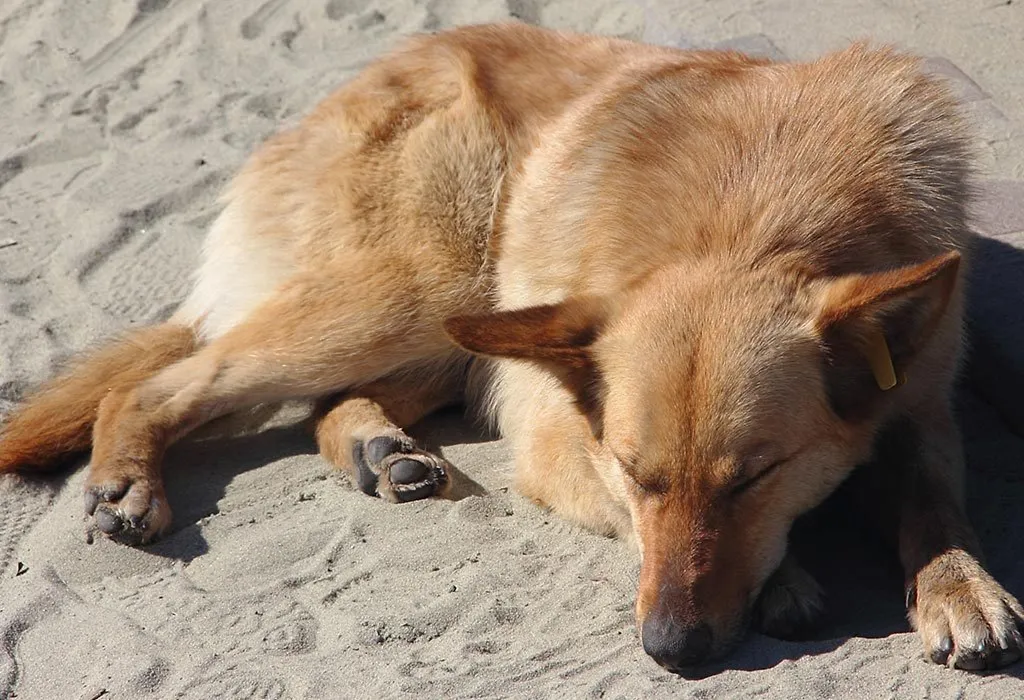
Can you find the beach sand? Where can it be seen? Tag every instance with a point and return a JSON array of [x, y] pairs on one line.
[[121, 121]]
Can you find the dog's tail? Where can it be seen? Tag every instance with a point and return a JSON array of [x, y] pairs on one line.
[[55, 424]]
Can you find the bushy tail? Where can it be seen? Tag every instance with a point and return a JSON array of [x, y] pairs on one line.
[[55, 424]]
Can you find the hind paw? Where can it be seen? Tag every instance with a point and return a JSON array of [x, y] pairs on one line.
[[394, 468], [128, 510]]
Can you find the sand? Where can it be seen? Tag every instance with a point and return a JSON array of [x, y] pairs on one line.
[[120, 123]]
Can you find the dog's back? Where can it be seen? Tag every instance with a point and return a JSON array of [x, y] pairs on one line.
[[857, 162]]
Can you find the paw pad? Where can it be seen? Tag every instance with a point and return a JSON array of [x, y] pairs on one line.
[[396, 470]]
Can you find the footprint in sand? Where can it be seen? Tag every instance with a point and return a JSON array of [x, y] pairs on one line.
[[237, 686], [22, 505], [290, 629], [143, 265], [253, 25], [339, 9]]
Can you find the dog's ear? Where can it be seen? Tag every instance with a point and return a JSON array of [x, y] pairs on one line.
[[557, 337], [872, 327]]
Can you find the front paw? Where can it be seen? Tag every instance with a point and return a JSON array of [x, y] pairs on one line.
[[791, 603], [964, 617]]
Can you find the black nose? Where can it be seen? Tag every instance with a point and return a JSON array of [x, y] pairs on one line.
[[674, 646]]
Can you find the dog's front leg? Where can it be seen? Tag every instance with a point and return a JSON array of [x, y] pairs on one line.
[[791, 604], [963, 616], [555, 451]]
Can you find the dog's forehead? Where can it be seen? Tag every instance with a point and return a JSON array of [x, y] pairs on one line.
[[710, 407], [729, 369]]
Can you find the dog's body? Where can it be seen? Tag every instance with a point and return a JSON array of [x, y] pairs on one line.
[[709, 271]]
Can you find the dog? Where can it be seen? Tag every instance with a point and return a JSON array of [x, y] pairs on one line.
[[694, 289]]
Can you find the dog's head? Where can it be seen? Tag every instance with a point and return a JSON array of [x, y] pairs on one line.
[[724, 403]]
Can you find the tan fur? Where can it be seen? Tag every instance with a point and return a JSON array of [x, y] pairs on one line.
[[54, 425], [681, 263]]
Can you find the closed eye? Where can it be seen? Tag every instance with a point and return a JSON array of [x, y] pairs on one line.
[[646, 484], [655, 486], [754, 480]]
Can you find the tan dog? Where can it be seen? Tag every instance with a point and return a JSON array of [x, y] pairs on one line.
[[723, 283]]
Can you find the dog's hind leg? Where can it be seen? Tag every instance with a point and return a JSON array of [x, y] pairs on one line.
[[363, 431], [317, 335], [55, 425]]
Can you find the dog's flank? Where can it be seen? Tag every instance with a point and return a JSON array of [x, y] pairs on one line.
[[692, 288]]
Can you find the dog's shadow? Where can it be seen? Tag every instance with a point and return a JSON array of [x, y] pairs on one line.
[[861, 579], [197, 474]]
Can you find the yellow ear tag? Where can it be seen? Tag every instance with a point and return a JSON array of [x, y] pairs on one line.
[[881, 362]]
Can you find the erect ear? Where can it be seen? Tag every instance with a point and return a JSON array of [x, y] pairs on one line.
[[873, 326], [557, 337]]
